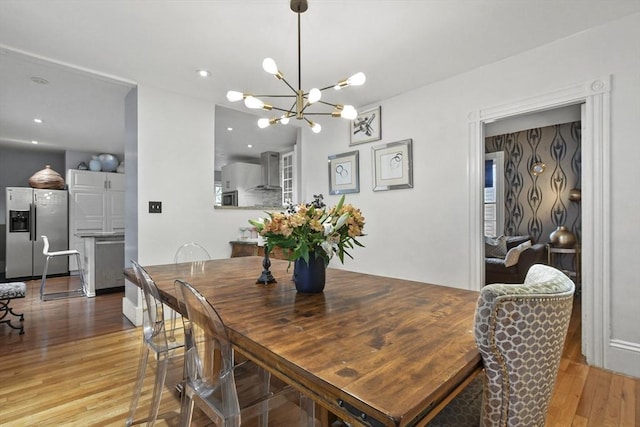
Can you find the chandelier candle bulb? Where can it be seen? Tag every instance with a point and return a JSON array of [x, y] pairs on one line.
[[252, 102], [314, 95], [269, 65], [348, 112], [357, 79], [233, 96]]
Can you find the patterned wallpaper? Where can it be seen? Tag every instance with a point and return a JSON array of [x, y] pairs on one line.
[[537, 205]]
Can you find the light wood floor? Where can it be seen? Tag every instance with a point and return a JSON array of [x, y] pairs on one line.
[[76, 364]]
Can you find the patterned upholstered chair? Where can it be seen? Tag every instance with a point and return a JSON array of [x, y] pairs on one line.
[[520, 331]]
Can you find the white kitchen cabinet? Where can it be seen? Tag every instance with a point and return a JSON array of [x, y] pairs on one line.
[[96, 204]]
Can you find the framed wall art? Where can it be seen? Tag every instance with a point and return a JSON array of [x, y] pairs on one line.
[[393, 166], [366, 127], [344, 174]]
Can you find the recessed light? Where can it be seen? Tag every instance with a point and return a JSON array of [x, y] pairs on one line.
[[34, 142], [229, 129], [39, 80], [204, 73], [249, 146], [39, 121]]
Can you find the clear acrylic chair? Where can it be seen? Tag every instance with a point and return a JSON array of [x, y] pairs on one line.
[[228, 393], [154, 338], [191, 252], [196, 254], [81, 291]]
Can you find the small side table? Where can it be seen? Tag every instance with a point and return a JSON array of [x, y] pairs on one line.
[[552, 259]]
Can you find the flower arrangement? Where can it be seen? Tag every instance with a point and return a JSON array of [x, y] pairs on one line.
[[311, 227]]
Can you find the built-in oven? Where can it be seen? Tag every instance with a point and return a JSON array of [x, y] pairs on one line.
[[230, 198]]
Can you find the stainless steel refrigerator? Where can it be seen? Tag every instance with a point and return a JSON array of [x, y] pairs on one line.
[[32, 213]]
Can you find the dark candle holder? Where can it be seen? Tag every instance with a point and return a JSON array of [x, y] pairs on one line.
[[266, 277]]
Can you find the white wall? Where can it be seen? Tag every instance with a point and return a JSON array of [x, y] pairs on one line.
[[421, 233], [175, 166]]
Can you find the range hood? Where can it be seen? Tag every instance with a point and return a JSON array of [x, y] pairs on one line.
[[270, 162]]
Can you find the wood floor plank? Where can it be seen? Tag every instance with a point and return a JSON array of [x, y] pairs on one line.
[[612, 412], [567, 394], [637, 399], [628, 402]]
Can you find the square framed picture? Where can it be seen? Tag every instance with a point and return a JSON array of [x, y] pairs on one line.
[[344, 173], [393, 166], [366, 127]]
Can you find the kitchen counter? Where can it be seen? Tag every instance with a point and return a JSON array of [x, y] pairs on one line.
[[100, 234]]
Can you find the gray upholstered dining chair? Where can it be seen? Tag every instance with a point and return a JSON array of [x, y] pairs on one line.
[[520, 331]]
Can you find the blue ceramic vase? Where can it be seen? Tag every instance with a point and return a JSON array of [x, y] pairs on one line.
[[310, 277]]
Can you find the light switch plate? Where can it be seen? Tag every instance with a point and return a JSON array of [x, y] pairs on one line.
[[155, 207]]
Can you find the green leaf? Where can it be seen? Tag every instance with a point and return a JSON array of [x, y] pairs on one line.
[[339, 205]]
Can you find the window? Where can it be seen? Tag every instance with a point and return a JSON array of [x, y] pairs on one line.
[[218, 193], [494, 194], [287, 178]]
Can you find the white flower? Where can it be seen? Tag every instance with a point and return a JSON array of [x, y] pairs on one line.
[[343, 218], [328, 248], [328, 228]]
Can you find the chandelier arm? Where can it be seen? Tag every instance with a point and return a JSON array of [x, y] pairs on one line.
[[316, 114], [288, 84], [328, 103], [274, 96], [327, 87], [281, 109], [304, 107]]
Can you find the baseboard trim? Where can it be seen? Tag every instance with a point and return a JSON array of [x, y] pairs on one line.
[[131, 311], [624, 357]]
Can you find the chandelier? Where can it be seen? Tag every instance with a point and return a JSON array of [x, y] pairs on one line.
[[301, 100]]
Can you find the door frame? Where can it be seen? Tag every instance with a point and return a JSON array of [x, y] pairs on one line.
[[596, 167]]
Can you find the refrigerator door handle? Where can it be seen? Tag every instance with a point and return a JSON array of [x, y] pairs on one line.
[[32, 222]]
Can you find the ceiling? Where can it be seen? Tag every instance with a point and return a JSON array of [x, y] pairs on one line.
[[93, 52]]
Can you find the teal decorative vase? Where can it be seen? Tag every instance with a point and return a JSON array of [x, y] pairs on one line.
[[310, 277]]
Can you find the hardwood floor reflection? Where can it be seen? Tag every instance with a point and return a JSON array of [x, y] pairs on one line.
[[76, 364]]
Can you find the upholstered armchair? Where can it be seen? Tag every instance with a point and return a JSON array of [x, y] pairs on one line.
[[520, 331], [512, 265]]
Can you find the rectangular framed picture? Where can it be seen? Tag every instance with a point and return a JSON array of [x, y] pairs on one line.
[[393, 166], [366, 127], [344, 174]]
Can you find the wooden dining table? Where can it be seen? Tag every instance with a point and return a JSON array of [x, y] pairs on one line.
[[373, 350]]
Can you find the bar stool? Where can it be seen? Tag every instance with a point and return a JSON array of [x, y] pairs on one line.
[[64, 294]]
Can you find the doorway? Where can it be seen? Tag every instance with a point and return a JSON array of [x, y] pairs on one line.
[[595, 216]]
